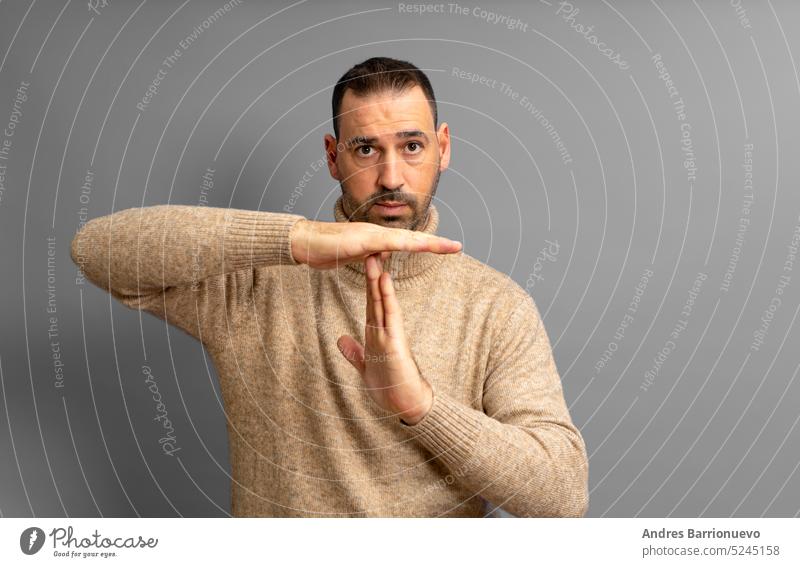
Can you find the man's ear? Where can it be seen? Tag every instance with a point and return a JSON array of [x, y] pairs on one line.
[[331, 153], [443, 135]]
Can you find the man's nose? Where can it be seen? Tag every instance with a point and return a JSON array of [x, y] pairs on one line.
[[391, 171]]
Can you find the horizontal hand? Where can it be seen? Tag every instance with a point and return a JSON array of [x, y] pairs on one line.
[[325, 245]]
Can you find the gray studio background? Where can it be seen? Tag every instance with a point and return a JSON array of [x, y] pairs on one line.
[[688, 400]]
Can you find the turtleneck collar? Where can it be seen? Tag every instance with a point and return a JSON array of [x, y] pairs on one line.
[[406, 268]]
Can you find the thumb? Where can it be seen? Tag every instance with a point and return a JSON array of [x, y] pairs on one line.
[[352, 351]]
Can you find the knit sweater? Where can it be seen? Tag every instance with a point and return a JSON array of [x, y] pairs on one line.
[[305, 438]]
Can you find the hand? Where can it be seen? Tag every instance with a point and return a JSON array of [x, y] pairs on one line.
[[385, 362], [325, 245]]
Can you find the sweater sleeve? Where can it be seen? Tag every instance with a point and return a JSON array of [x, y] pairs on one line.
[[522, 453], [178, 261]]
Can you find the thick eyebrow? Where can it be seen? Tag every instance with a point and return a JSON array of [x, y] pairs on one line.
[[371, 140]]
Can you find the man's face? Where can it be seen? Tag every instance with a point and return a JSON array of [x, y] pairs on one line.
[[388, 158]]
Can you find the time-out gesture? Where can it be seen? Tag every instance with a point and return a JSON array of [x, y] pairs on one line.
[[325, 245]]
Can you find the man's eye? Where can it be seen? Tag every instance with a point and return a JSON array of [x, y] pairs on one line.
[[416, 145], [362, 148]]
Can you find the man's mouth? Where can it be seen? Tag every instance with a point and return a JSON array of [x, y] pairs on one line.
[[390, 205]]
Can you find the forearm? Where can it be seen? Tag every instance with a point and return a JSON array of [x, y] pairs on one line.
[[530, 471], [140, 250]]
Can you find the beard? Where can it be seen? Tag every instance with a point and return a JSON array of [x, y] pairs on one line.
[[411, 218]]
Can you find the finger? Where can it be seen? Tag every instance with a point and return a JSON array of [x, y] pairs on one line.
[[440, 245], [352, 351], [374, 300], [393, 316], [370, 314], [415, 241]]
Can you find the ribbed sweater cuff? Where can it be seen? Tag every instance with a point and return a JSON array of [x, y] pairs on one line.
[[254, 238], [450, 430]]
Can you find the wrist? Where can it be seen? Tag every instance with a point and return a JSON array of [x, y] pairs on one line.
[[420, 410], [298, 240]]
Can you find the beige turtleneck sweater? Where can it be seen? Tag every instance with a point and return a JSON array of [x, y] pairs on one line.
[[305, 438]]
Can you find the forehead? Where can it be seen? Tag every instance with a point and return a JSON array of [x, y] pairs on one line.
[[385, 112]]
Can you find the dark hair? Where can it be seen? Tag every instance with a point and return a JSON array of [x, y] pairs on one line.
[[379, 74]]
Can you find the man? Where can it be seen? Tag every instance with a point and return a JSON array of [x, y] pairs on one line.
[[368, 366]]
